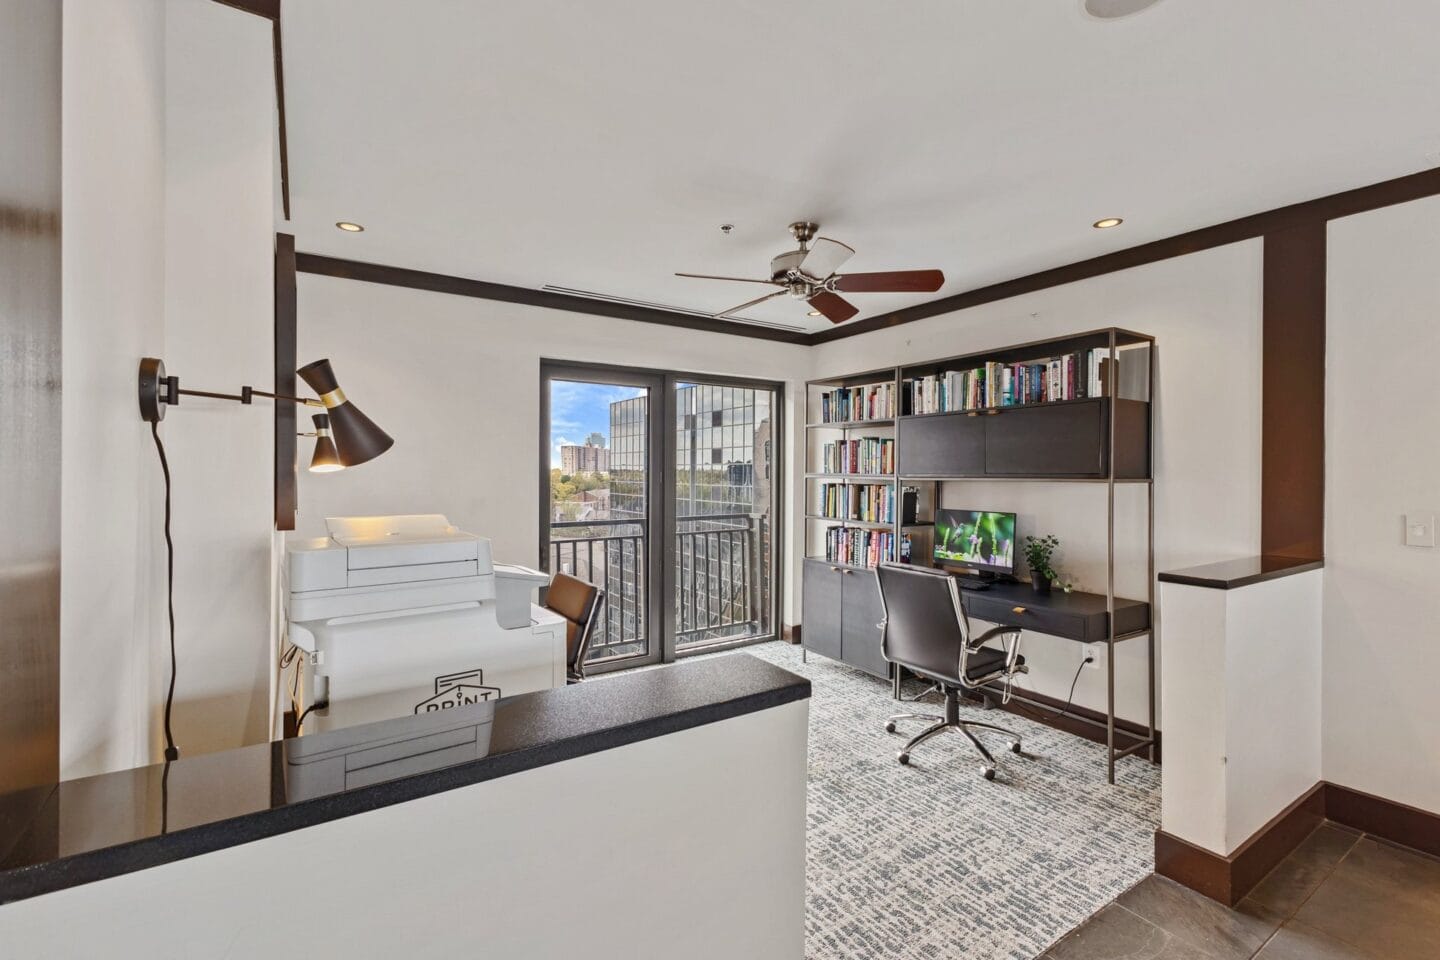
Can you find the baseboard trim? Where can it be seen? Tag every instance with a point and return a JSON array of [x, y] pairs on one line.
[[1387, 819], [1229, 879], [1079, 721], [790, 633]]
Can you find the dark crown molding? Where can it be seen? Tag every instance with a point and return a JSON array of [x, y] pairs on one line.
[[484, 290]]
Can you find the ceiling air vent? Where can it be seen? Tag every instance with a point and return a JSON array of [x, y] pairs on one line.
[[608, 298]]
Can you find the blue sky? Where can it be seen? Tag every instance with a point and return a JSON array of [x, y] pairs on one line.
[[579, 409]]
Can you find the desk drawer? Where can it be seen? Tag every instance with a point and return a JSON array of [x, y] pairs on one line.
[[1021, 614]]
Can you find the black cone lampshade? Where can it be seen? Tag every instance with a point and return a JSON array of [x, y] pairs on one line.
[[326, 458], [356, 438]]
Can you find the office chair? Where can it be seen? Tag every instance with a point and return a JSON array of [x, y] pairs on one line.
[[926, 631], [580, 603]]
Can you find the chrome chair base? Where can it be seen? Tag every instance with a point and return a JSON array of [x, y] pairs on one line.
[[953, 722]]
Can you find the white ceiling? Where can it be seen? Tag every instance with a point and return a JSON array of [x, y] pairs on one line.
[[600, 145]]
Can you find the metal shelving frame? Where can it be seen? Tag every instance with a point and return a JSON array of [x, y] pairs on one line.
[[1113, 339]]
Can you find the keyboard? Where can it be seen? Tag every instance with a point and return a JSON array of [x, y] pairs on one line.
[[973, 583]]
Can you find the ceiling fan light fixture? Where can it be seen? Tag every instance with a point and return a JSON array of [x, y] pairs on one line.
[[1107, 223], [1115, 9]]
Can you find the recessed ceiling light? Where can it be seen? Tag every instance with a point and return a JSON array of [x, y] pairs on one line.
[[1107, 223], [1115, 9], [813, 313], [349, 227]]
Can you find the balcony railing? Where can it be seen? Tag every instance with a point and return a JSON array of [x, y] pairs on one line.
[[722, 578]]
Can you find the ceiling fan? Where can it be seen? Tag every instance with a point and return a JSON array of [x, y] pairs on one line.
[[809, 274]]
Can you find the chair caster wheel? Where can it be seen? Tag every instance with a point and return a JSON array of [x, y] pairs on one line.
[[904, 759], [989, 773], [1015, 747], [889, 728]]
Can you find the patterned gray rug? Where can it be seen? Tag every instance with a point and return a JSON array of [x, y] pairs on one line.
[[931, 861]]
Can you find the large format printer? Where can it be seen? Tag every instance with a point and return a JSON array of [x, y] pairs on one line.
[[405, 615]]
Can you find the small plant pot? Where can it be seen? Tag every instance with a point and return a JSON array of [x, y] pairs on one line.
[[1039, 582]]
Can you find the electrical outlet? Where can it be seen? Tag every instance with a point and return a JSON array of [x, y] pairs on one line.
[[1095, 653], [1419, 530]]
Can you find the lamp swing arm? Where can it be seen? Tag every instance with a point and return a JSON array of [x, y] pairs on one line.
[[173, 389]]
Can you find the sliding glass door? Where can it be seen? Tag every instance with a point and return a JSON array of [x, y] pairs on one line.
[[597, 487], [724, 512], [662, 490]]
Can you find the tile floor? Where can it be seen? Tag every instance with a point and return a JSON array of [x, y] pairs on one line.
[[1341, 895]]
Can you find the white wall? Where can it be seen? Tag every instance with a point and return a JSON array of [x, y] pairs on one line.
[[456, 382], [1204, 310], [113, 303], [1242, 691], [1382, 441], [219, 334], [168, 121]]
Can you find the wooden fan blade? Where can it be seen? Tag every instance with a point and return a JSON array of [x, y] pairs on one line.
[[711, 276], [894, 281], [824, 257], [749, 303], [836, 308]]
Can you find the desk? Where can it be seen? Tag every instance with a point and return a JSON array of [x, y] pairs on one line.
[[1081, 617]]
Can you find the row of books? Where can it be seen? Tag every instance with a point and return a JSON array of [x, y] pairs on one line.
[[873, 502], [859, 547], [845, 404], [1072, 376], [869, 455]]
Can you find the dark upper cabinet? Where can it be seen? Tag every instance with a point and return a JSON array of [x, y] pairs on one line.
[[1063, 440], [945, 445]]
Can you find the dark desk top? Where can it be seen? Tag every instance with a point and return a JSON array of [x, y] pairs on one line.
[[103, 826], [1240, 572], [1074, 603]]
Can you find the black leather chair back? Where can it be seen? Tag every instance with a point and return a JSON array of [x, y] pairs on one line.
[[925, 627]]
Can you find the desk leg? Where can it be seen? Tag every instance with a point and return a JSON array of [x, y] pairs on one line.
[[897, 679], [1110, 707]]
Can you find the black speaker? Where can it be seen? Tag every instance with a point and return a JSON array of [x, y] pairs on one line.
[[909, 500]]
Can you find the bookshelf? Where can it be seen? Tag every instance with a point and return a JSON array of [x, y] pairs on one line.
[[1071, 409]]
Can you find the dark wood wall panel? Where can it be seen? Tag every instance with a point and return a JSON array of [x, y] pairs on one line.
[[29, 409], [286, 415], [1292, 406]]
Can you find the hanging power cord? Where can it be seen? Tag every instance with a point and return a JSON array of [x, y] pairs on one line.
[[171, 751], [1069, 699]]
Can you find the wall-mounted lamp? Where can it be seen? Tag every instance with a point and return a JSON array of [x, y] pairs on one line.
[[325, 459], [346, 438]]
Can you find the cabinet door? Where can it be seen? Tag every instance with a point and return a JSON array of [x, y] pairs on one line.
[[820, 608], [946, 445], [859, 623], [1047, 440]]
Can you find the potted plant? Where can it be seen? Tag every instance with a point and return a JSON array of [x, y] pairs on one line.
[[1039, 551]]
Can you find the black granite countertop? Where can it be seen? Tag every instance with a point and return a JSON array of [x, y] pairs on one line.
[[1241, 572], [97, 827]]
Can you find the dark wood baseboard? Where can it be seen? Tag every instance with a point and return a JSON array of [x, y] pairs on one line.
[[1229, 879], [1079, 721], [1387, 819], [790, 633]]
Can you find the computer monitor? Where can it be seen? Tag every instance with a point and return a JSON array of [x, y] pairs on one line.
[[981, 539]]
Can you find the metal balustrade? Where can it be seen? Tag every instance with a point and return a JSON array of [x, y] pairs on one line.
[[722, 581]]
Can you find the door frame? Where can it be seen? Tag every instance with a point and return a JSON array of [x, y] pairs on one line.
[[660, 477], [551, 370]]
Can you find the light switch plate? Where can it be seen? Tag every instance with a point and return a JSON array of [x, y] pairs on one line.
[[1419, 529]]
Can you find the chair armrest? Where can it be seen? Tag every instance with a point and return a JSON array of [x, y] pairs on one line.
[[991, 634]]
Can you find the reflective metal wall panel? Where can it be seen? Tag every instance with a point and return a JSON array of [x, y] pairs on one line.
[[29, 407]]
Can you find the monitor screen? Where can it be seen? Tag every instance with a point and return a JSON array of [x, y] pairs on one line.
[[975, 538]]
